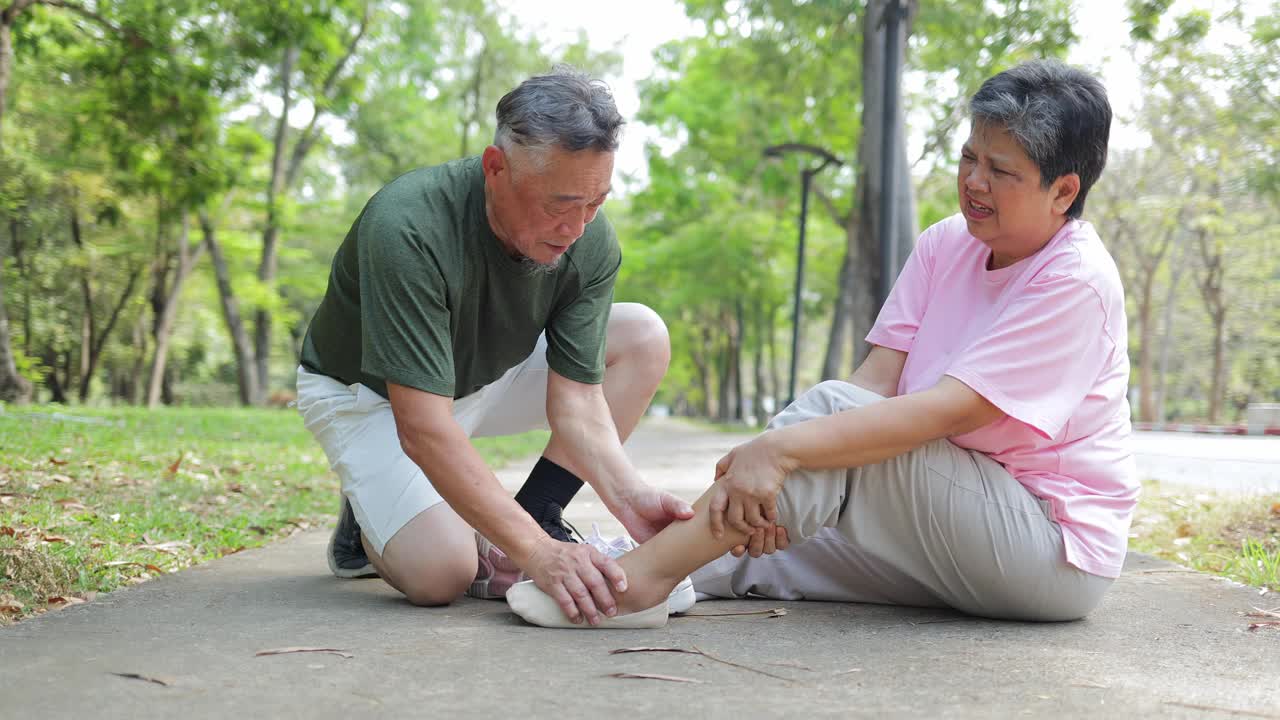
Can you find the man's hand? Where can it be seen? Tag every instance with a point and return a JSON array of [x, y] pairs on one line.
[[645, 511], [748, 481], [578, 577]]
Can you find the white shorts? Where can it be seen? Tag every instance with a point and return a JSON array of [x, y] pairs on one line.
[[358, 433]]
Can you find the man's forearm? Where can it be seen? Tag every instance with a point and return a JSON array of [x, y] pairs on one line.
[[462, 478], [585, 440]]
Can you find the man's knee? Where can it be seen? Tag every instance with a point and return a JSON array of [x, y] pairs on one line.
[[637, 333], [438, 581]]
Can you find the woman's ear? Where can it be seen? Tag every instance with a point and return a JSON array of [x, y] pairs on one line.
[[1064, 191]]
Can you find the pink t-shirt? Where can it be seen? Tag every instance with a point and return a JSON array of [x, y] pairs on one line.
[[1044, 340]]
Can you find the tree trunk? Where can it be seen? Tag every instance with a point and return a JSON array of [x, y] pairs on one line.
[[1146, 362], [739, 337], [757, 363], [6, 63], [775, 380], [271, 234], [187, 257], [1217, 391], [100, 341], [13, 387], [246, 377], [1166, 340], [133, 385], [833, 364], [864, 241]]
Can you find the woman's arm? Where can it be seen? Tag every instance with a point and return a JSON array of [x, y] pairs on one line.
[[751, 475], [877, 432], [880, 371]]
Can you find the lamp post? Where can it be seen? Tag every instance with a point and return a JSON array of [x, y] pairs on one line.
[[806, 178]]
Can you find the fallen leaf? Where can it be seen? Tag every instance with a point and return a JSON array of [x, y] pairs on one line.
[[623, 651], [57, 539], [652, 676], [58, 602], [70, 504], [56, 461], [5, 530], [850, 670], [1275, 508], [96, 544], [235, 488], [774, 613], [10, 604], [699, 651], [289, 650], [792, 664], [1185, 530], [145, 678], [60, 478]]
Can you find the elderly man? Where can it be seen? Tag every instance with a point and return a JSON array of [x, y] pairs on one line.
[[474, 298]]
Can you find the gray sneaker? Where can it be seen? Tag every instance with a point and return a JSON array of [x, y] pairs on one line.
[[347, 558]]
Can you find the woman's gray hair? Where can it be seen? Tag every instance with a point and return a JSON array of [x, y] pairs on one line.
[[1059, 115], [565, 108]]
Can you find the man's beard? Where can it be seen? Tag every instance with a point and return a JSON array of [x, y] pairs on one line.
[[533, 267]]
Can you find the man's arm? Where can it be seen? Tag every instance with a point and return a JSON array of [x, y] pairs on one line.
[[572, 574], [585, 440]]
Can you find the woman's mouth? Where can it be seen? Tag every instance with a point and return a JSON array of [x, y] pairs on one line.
[[975, 210]]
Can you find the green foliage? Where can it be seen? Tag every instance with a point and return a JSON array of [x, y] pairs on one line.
[[136, 493]]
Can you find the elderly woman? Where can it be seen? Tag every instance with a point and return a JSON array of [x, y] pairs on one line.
[[979, 458]]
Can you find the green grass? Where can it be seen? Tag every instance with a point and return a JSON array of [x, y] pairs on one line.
[[1237, 537], [93, 499]]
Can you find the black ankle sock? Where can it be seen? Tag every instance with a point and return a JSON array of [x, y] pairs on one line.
[[548, 484]]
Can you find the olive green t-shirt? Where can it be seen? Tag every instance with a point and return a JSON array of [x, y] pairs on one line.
[[421, 293]]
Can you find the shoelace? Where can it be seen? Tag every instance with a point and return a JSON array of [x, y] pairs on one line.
[[611, 548]]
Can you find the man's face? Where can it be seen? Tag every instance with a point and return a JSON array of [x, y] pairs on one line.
[[540, 201]]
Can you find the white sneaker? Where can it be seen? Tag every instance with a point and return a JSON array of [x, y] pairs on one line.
[[681, 600], [537, 608]]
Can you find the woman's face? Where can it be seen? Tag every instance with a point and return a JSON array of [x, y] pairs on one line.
[[1002, 199]]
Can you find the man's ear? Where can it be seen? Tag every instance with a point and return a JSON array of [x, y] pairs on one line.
[[1064, 191], [494, 161]]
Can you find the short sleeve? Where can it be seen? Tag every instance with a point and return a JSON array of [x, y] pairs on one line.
[[899, 319], [1043, 354], [404, 314], [577, 329]]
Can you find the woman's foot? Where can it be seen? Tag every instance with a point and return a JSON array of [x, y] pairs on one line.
[[537, 608]]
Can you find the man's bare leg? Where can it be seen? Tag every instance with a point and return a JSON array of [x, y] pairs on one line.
[[432, 559]]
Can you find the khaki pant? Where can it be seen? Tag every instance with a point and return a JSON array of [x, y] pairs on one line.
[[939, 526]]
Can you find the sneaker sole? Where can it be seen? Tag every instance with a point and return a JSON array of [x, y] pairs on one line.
[[496, 573], [682, 599], [347, 573]]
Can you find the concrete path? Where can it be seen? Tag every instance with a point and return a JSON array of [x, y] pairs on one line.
[[1230, 463], [1165, 643]]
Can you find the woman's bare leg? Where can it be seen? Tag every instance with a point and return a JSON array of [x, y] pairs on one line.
[[656, 567]]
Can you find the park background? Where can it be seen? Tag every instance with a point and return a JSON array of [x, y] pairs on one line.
[[176, 175]]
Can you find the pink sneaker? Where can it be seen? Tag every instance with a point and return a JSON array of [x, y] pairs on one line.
[[496, 573]]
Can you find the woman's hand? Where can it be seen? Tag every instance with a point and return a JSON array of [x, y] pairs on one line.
[[748, 481]]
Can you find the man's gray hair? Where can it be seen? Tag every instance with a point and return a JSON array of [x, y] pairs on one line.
[[1059, 115], [565, 108]]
